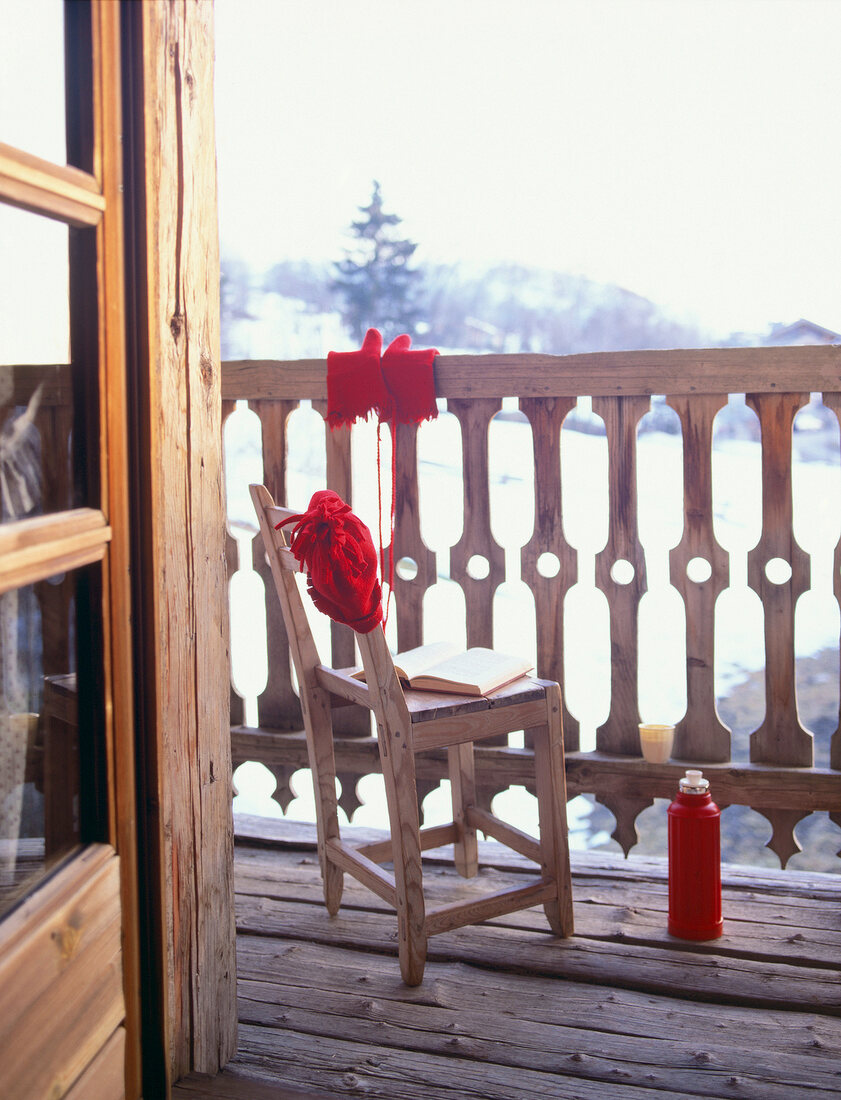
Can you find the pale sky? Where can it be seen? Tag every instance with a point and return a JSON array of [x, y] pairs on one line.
[[689, 150]]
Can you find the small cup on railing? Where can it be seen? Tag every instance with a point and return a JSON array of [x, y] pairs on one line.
[[656, 742]]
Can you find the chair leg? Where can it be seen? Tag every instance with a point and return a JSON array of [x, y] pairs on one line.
[[398, 766], [322, 763], [463, 787], [551, 802]]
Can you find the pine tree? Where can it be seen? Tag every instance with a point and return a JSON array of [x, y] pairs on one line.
[[377, 286]]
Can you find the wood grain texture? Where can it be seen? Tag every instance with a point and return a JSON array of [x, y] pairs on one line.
[[700, 736], [394, 739], [409, 594], [476, 539], [781, 739], [278, 704], [186, 575], [462, 772], [833, 401], [353, 721], [550, 779], [232, 566], [609, 373], [54, 190], [105, 1076], [315, 703], [62, 946], [635, 1014], [619, 733], [364, 869], [546, 416], [756, 785]]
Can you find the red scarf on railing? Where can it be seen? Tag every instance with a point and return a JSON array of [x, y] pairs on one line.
[[400, 389], [335, 548]]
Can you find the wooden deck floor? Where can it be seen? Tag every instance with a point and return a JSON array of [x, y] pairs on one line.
[[507, 1011]]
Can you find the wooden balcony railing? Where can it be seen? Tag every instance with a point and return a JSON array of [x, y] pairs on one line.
[[778, 777]]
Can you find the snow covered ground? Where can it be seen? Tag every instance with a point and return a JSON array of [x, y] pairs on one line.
[[738, 518]]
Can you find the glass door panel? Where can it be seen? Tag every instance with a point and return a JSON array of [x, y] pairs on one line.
[[46, 753], [32, 77]]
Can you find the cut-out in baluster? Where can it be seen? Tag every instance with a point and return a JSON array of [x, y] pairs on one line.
[[833, 401], [620, 571], [783, 843], [700, 735], [409, 593], [546, 415], [626, 809], [283, 792], [349, 721], [781, 739], [349, 800], [278, 705]]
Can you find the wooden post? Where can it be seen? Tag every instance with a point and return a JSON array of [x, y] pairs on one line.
[[182, 559]]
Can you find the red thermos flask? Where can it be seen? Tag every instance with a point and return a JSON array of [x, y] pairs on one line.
[[694, 861]]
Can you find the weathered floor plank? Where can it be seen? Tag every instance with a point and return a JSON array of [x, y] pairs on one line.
[[507, 1010]]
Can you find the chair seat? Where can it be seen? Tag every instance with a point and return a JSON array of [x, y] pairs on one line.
[[427, 706]]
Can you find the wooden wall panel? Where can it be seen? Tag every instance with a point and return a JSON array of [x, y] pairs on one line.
[[61, 980], [184, 555], [104, 1077]]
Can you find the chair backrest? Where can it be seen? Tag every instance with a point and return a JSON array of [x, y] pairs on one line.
[[284, 566], [387, 699]]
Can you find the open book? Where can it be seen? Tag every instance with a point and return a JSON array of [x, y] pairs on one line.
[[443, 666]]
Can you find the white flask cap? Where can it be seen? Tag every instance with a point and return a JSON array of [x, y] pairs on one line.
[[694, 782]]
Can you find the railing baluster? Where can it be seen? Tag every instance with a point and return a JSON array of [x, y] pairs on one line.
[[475, 415], [700, 736], [779, 782], [621, 415], [278, 706], [232, 564], [349, 721], [409, 594], [833, 401], [546, 415], [781, 739]]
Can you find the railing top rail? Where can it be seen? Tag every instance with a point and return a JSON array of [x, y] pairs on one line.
[[605, 373]]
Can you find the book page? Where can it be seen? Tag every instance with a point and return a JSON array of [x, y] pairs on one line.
[[477, 668], [413, 662]]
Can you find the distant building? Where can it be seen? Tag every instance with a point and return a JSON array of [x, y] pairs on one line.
[[801, 332]]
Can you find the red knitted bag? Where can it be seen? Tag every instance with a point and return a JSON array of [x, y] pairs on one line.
[[336, 549]]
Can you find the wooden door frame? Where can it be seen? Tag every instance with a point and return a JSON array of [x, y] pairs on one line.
[[178, 513]]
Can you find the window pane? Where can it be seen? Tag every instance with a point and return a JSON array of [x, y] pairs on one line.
[[36, 403], [32, 77], [43, 812]]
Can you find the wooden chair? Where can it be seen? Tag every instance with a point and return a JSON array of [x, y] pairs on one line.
[[409, 722]]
